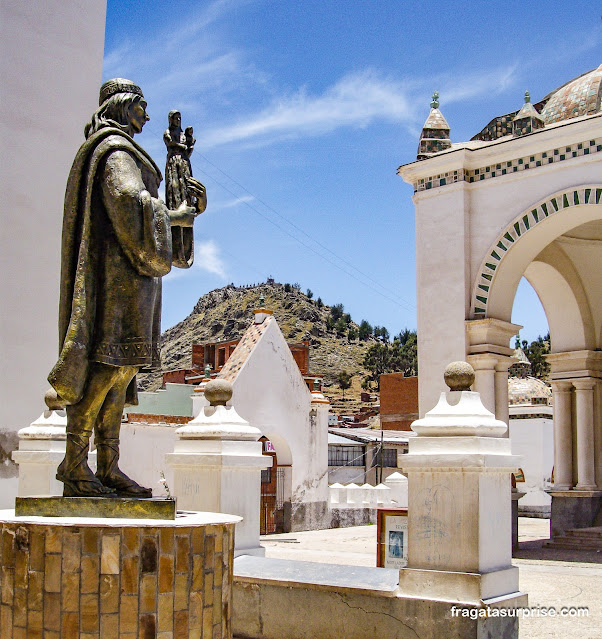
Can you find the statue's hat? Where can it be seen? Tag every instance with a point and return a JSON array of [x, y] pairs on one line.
[[118, 85]]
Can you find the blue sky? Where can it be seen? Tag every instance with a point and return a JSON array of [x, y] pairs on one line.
[[304, 109]]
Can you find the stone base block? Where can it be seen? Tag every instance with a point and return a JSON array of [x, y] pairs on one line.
[[466, 587], [107, 578], [355, 603], [575, 509], [122, 507]]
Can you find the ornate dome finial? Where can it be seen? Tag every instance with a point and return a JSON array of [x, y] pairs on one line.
[[435, 132], [527, 119]]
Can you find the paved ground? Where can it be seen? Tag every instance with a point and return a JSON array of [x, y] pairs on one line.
[[552, 578]]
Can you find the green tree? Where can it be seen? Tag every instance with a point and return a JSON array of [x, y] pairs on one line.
[[536, 352], [365, 330], [319, 302], [309, 293], [337, 311], [390, 358], [352, 334], [340, 327], [377, 361], [405, 353], [287, 288], [344, 381]]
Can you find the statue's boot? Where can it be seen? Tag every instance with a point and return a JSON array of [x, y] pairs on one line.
[[74, 472], [109, 473]]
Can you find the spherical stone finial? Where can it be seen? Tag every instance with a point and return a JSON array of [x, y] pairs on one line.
[[53, 401], [218, 392], [527, 97], [459, 376], [435, 100]]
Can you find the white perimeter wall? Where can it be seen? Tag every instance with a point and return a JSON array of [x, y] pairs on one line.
[[51, 55], [533, 439]]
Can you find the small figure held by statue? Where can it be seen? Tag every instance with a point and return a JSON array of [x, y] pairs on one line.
[[178, 168], [119, 240]]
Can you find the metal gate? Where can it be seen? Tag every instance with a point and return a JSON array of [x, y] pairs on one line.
[[272, 490]]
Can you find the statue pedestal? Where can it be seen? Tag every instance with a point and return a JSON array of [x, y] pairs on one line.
[[108, 578]]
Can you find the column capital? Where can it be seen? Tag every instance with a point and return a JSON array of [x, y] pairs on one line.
[[504, 363], [492, 332], [482, 361], [584, 384], [562, 386]]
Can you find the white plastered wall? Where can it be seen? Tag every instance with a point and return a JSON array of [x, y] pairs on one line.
[[270, 393], [51, 55]]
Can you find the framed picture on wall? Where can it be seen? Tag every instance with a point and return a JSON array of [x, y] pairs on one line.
[[392, 537]]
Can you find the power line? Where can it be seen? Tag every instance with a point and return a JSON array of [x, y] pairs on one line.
[[273, 210], [399, 301]]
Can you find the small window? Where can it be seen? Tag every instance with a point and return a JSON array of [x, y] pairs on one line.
[[266, 476], [389, 458], [346, 455]]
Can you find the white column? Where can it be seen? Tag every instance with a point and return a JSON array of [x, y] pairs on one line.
[[484, 384], [501, 390], [586, 476], [41, 450], [217, 463], [459, 504], [563, 438]]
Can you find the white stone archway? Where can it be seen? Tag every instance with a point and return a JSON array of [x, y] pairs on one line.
[[489, 212]]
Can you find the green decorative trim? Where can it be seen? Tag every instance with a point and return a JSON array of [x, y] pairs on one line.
[[528, 162], [522, 224]]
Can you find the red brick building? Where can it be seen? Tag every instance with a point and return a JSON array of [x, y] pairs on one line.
[[398, 401], [216, 354]]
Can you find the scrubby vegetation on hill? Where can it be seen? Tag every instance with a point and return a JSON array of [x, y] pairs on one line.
[[337, 343]]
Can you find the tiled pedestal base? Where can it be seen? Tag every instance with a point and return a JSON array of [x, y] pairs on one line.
[[76, 578]]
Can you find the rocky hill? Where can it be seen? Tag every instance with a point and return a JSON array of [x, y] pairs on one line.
[[225, 314]]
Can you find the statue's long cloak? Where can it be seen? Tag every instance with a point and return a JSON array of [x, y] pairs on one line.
[[117, 243]]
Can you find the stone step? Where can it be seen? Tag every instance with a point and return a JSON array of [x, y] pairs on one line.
[[578, 539], [572, 545], [585, 533]]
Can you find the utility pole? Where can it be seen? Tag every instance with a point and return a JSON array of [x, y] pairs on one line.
[[380, 481]]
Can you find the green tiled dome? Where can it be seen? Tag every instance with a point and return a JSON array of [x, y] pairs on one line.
[[578, 97]]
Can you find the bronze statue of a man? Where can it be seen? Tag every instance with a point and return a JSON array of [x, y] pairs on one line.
[[118, 241]]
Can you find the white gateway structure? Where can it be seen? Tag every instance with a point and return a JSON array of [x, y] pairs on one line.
[[523, 198]]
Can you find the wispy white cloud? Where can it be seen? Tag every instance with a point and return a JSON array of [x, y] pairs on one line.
[[228, 204], [185, 56], [356, 100], [465, 87], [208, 258], [197, 22]]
